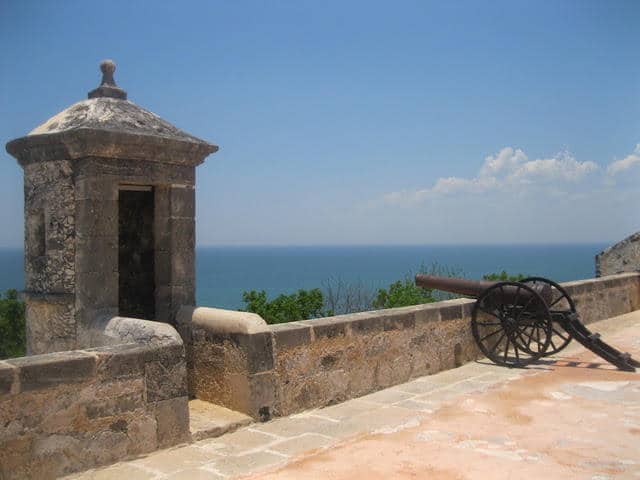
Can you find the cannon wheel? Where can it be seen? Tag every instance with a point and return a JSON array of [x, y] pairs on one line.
[[511, 324], [560, 305]]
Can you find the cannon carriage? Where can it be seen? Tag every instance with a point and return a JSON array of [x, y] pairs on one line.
[[518, 323]]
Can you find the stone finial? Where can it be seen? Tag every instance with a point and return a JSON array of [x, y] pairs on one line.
[[108, 67], [108, 87]]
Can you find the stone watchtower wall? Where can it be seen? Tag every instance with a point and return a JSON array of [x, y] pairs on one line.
[[624, 256], [109, 217]]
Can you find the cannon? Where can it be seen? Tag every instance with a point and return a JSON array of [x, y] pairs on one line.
[[517, 323]]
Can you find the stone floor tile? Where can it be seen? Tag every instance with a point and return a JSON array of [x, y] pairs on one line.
[[384, 418], [418, 387], [193, 474], [465, 372], [293, 427], [238, 442], [387, 397], [180, 458], [346, 410], [243, 464], [418, 406], [207, 420], [303, 443], [118, 471]]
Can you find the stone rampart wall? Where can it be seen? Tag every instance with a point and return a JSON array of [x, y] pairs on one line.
[[273, 370], [69, 411]]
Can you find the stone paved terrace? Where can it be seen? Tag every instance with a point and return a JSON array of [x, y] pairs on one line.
[[572, 417]]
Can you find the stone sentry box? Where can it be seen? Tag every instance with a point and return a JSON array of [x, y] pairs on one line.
[[109, 217]]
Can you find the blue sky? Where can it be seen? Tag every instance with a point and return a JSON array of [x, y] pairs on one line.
[[345, 122]]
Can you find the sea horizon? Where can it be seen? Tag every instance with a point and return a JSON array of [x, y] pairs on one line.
[[224, 272]]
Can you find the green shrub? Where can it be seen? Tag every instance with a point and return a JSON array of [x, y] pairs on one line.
[[302, 305], [402, 293], [504, 277], [12, 326]]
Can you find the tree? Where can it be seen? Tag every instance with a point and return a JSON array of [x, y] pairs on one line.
[[12, 326], [302, 305], [403, 293]]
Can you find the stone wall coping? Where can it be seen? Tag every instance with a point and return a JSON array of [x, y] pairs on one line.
[[608, 278], [126, 343], [334, 322], [389, 313], [220, 321], [135, 330]]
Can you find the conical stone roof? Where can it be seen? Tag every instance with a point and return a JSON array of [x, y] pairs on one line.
[[109, 125]]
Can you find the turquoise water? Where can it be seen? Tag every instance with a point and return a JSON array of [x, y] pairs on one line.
[[223, 273]]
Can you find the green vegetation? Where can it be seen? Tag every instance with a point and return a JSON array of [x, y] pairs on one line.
[[340, 297], [403, 293], [303, 304], [12, 326], [504, 277]]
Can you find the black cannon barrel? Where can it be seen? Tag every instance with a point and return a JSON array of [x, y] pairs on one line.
[[470, 288], [474, 288]]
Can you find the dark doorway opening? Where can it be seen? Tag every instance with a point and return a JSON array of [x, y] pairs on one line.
[[136, 281]]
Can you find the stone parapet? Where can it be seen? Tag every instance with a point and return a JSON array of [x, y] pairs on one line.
[[238, 361], [69, 411], [624, 256]]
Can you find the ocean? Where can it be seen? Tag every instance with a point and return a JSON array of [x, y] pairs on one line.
[[223, 273]]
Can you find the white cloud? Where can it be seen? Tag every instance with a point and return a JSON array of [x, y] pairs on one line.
[[506, 159], [507, 169], [563, 167], [626, 163]]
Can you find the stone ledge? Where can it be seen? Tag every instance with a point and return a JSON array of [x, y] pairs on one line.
[[52, 369], [220, 321], [7, 377]]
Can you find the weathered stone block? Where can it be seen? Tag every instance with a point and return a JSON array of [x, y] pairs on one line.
[[43, 371], [110, 407], [96, 289], [97, 254], [51, 324], [330, 327], [262, 388], [166, 373], [183, 202], [291, 335], [367, 325], [399, 321], [183, 234], [7, 374], [426, 314], [165, 383], [121, 361], [96, 217], [451, 312], [258, 349], [183, 266], [172, 419], [97, 188]]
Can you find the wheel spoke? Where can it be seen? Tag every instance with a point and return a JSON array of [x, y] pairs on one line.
[[487, 312], [506, 350], [490, 335], [488, 324], [495, 345], [556, 300], [560, 334], [525, 307], [529, 335]]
